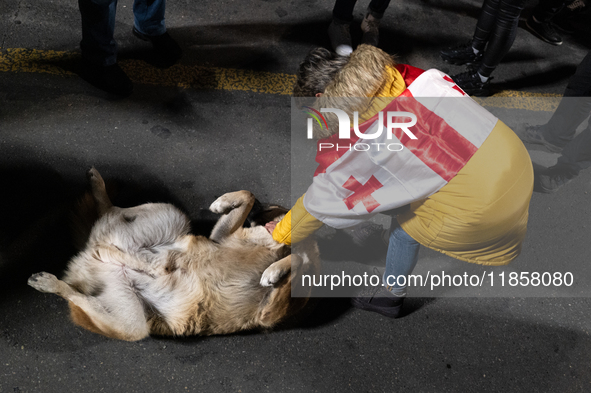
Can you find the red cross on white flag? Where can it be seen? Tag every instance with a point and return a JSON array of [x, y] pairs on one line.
[[362, 193]]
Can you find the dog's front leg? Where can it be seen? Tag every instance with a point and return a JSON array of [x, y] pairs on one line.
[[235, 207]]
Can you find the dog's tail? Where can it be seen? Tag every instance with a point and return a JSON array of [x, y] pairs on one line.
[[82, 218]]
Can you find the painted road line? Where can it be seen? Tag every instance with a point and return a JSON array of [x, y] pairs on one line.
[[47, 62]]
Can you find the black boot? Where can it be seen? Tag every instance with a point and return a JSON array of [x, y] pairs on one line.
[[166, 50], [472, 85], [380, 300], [461, 54], [111, 79]]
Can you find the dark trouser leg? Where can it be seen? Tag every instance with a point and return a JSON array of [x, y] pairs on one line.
[[502, 35], [546, 9], [486, 23], [576, 155], [378, 7], [98, 25], [572, 111], [343, 10]]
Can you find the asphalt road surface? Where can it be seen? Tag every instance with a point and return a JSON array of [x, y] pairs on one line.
[[218, 122]]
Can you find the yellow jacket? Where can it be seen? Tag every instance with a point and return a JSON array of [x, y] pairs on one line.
[[298, 223], [480, 216]]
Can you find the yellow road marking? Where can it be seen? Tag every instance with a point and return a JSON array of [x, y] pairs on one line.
[[46, 62], [198, 77]]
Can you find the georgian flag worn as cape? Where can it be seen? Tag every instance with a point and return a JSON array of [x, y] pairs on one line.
[[351, 186]]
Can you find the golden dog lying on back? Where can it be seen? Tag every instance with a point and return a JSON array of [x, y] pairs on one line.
[[142, 273]]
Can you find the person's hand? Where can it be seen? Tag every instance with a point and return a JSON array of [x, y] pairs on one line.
[[270, 226]]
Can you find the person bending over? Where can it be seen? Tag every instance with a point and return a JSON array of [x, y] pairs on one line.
[[466, 179]]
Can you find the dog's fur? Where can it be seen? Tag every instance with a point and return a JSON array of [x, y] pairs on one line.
[[142, 273]]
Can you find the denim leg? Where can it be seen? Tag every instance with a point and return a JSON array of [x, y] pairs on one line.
[[401, 259], [149, 17], [98, 25]]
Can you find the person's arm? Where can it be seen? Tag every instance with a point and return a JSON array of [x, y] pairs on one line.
[[297, 225]]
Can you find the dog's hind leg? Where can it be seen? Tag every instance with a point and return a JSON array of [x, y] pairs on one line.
[[99, 192], [277, 270], [284, 275], [90, 313], [235, 207]]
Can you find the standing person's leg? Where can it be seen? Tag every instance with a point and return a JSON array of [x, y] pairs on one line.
[[579, 85], [401, 259], [560, 131], [371, 22], [575, 157], [149, 17], [500, 41], [539, 22], [342, 11], [99, 48], [502, 37], [149, 25], [570, 113], [378, 7], [471, 52], [339, 29], [98, 26], [486, 23]]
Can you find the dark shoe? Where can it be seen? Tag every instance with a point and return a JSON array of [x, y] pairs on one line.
[[543, 30], [111, 78], [380, 300], [553, 178], [461, 54], [166, 50], [533, 135], [370, 27], [340, 38], [564, 25], [472, 85]]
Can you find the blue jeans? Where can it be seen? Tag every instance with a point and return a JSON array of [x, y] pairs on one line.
[[98, 26], [401, 259]]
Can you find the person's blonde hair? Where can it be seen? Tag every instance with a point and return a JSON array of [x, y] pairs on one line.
[[347, 82]]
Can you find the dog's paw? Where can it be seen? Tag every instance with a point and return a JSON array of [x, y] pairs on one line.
[[272, 275], [221, 205], [44, 282]]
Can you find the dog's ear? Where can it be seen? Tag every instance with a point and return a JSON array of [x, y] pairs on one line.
[[84, 214]]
